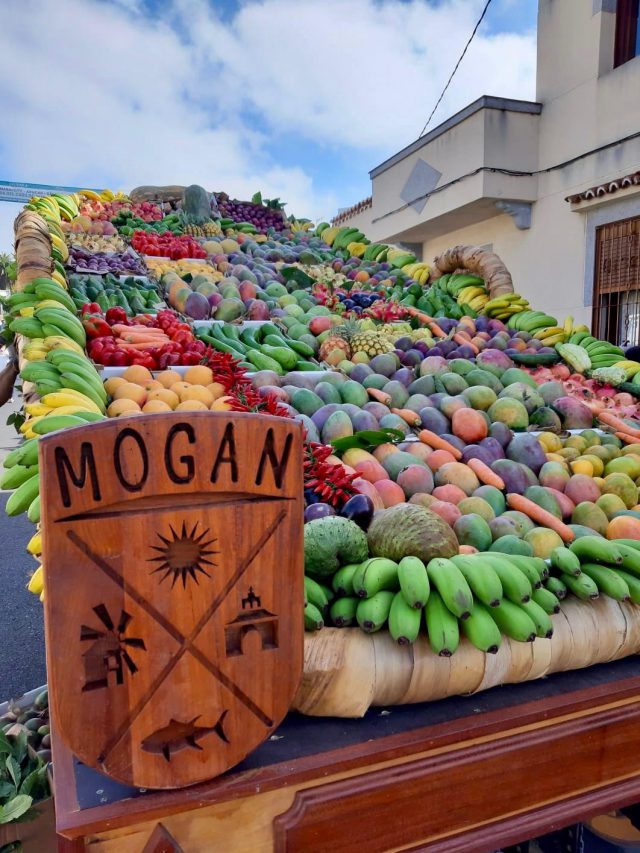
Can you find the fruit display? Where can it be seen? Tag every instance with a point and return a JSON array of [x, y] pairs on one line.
[[156, 341], [118, 263], [134, 295], [256, 214], [97, 244], [120, 208], [469, 463], [167, 245]]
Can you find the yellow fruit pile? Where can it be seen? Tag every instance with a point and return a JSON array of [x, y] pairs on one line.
[[137, 392], [181, 267]]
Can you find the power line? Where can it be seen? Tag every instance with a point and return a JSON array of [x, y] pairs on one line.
[[471, 37]]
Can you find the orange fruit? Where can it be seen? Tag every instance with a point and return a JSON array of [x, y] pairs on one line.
[[166, 395], [112, 383], [217, 389], [168, 378], [191, 406], [197, 392], [152, 385], [199, 374], [122, 407], [138, 374], [155, 406], [222, 404], [131, 391], [179, 387], [581, 466]]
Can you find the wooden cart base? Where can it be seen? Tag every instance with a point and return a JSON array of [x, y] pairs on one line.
[[466, 773]]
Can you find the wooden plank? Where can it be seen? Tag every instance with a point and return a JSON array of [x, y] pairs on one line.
[[173, 555], [438, 797], [526, 722]]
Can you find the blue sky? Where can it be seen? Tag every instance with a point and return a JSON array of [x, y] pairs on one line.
[[297, 98]]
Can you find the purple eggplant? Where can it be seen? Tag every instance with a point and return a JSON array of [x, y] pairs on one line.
[[359, 508]]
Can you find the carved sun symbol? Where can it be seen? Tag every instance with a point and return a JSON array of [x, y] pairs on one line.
[[184, 555]]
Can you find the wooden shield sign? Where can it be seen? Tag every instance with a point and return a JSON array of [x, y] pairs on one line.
[[174, 589]]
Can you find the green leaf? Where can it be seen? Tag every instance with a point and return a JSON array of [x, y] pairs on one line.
[[16, 808], [368, 438], [13, 768], [299, 276], [7, 790], [256, 198], [20, 747], [36, 779], [5, 745]]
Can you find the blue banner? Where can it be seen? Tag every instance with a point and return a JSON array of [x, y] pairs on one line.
[[21, 193]]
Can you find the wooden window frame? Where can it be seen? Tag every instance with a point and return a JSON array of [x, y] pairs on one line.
[[627, 24]]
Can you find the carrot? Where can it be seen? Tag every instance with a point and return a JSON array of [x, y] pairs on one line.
[[407, 415], [624, 436], [426, 319], [485, 474], [542, 516], [465, 340], [137, 346], [433, 440], [379, 396], [611, 420], [141, 339], [120, 328]]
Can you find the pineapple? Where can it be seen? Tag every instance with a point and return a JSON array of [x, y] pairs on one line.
[[331, 344], [369, 342]]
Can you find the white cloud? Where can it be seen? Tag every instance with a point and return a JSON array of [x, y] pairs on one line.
[[102, 95]]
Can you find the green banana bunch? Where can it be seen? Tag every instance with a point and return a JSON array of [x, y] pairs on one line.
[[595, 549], [608, 581], [514, 621], [313, 620], [565, 561], [21, 499], [374, 575], [481, 629], [546, 599], [342, 581], [372, 613], [59, 321], [414, 582], [582, 586], [404, 620], [481, 577], [343, 611], [452, 586], [442, 625], [557, 587], [515, 584]]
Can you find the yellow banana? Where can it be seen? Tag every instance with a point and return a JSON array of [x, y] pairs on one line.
[[69, 397], [36, 582], [59, 342], [34, 546], [107, 195], [568, 325], [548, 332], [28, 424], [37, 408], [631, 367], [27, 312], [581, 328], [60, 245], [34, 353], [59, 279], [90, 194], [70, 409], [554, 339]]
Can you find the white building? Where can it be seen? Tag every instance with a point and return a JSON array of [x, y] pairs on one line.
[[553, 186]]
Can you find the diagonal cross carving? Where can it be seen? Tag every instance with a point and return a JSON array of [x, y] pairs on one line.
[[187, 643]]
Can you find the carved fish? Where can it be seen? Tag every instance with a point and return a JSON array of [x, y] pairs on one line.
[[180, 734]]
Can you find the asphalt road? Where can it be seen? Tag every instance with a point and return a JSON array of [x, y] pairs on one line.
[[22, 658]]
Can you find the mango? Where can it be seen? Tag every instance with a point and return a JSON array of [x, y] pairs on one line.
[[590, 515], [457, 474], [543, 541], [493, 497], [623, 527], [476, 506], [414, 479], [337, 425], [554, 474], [610, 504], [353, 392], [622, 485], [582, 488], [503, 526], [510, 412], [627, 464], [473, 530], [479, 397], [523, 523], [512, 545]]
